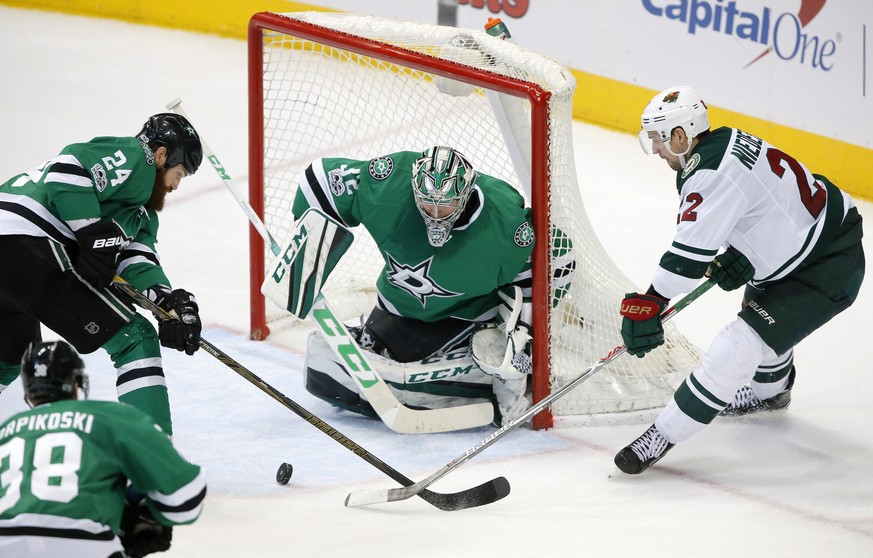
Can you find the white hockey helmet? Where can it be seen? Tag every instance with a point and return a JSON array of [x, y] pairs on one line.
[[675, 107]]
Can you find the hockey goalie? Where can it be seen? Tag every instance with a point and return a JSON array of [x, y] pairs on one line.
[[450, 323]]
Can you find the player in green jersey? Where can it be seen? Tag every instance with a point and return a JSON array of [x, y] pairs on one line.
[[791, 237], [69, 226], [451, 238], [65, 466]]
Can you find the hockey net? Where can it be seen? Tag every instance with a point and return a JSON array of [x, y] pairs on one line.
[[345, 85]]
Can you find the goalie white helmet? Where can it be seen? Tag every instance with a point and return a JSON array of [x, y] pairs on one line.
[[442, 181], [675, 107]]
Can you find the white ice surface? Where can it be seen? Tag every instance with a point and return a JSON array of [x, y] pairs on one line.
[[796, 483]]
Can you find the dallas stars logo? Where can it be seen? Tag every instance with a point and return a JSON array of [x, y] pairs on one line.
[[381, 168], [415, 280]]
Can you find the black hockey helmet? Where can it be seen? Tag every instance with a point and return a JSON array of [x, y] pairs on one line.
[[51, 371], [175, 133]]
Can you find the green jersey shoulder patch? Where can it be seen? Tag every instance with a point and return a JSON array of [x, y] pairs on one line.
[[707, 155], [381, 167], [524, 235]]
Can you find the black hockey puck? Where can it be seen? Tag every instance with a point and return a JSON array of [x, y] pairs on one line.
[[283, 475]]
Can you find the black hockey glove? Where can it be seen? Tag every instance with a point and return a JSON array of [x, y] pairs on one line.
[[641, 328], [182, 334], [731, 269], [99, 245], [141, 534]]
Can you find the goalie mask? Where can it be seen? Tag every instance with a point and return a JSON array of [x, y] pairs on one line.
[[676, 107], [52, 371], [175, 133], [442, 181]]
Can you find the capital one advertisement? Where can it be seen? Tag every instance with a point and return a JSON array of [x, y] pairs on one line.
[[805, 64], [800, 63]]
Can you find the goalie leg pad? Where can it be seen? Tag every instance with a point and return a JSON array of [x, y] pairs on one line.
[[512, 401], [448, 381], [328, 381]]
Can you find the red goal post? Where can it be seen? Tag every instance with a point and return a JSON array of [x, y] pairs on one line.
[[347, 85]]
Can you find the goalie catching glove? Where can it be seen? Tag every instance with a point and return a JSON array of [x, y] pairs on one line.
[[502, 351], [183, 332], [502, 355]]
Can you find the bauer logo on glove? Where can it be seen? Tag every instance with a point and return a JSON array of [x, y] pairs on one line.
[[637, 309]]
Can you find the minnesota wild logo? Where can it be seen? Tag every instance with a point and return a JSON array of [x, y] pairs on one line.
[[691, 165], [671, 97]]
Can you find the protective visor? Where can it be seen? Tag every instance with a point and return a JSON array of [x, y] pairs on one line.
[[650, 141]]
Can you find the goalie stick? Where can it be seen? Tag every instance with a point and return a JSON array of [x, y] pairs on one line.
[[283, 280], [480, 495], [367, 497]]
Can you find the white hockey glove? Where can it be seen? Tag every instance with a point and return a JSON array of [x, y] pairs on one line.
[[501, 350]]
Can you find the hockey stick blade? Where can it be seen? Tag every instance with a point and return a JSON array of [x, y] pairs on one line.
[[485, 493], [481, 495], [367, 497]]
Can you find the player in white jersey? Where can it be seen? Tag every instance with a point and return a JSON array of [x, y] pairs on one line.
[[791, 237]]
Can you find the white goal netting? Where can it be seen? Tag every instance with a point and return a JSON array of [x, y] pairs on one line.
[[326, 93]]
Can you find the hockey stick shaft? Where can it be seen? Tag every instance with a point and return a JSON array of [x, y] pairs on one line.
[[391, 411], [485, 493], [366, 497], [176, 106]]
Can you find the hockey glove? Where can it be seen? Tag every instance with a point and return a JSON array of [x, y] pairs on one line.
[[99, 245], [502, 350], [141, 534], [641, 328], [731, 269], [500, 355], [183, 333]]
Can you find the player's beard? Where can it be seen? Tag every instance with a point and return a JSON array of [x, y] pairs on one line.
[[159, 191]]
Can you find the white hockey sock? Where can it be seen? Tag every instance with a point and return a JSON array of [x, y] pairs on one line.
[[766, 391], [675, 425], [772, 363], [729, 363]]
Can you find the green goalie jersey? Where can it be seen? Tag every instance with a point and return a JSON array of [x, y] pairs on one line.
[[490, 244], [107, 178], [64, 468]]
